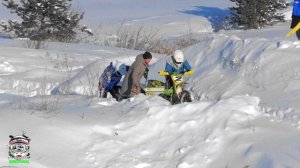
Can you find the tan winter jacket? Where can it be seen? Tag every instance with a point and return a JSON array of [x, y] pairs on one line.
[[131, 83]]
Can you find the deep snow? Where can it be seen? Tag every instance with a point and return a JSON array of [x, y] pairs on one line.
[[246, 89]]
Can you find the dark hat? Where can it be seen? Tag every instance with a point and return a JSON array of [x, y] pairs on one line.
[[147, 55]]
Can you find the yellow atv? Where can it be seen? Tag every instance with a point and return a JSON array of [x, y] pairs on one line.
[[175, 94]]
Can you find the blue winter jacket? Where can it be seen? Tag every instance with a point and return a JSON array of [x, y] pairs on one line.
[[296, 8], [171, 67], [110, 77], [114, 80]]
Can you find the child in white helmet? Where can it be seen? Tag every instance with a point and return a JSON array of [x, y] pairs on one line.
[[176, 64]]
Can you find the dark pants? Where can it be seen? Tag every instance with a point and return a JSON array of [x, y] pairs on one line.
[[115, 92], [169, 82], [298, 34], [295, 21]]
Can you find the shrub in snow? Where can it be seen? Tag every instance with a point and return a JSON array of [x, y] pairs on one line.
[[141, 38], [253, 14], [41, 20]]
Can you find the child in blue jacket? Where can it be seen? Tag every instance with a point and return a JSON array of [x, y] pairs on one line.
[[109, 79], [176, 64]]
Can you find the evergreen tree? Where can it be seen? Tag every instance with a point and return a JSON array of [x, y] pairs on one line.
[[278, 6], [43, 19], [255, 14]]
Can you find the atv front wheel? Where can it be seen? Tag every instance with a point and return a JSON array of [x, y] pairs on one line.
[[185, 97]]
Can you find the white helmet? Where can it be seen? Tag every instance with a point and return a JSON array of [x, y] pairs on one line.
[[178, 56]]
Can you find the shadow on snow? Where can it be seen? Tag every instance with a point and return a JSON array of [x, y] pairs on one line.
[[216, 16]]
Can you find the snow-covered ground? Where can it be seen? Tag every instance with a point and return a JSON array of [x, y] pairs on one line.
[[246, 88]]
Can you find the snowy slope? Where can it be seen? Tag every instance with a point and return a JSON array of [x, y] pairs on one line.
[[148, 132], [246, 113], [113, 12], [169, 17], [228, 65], [29, 72]]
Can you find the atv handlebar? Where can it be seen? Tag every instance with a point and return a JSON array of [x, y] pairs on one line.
[[165, 73], [191, 72]]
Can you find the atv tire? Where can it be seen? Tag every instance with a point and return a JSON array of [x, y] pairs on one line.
[[185, 97]]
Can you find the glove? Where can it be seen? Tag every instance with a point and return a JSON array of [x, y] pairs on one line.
[[135, 89], [146, 73]]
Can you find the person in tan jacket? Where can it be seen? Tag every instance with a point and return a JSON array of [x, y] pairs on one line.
[[131, 83]]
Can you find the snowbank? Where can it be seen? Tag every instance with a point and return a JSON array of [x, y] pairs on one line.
[[248, 91], [31, 72], [85, 82], [227, 66], [246, 117], [146, 132]]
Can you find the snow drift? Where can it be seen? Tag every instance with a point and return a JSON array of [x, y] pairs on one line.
[[247, 91], [230, 126], [146, 132], [226, 66]]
